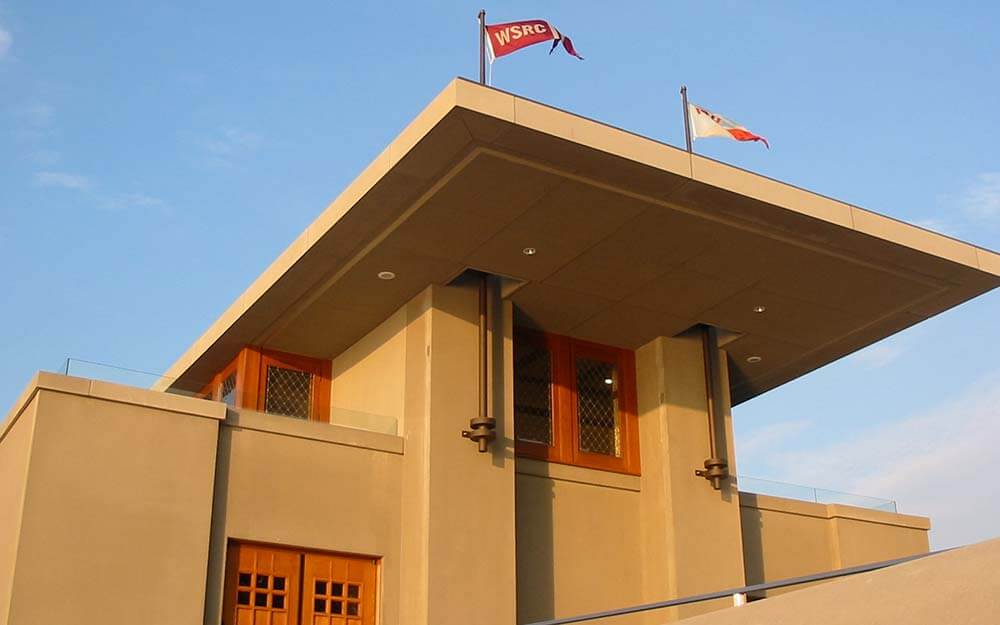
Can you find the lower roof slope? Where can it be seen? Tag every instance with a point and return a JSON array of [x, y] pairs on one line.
[[957, 587], [634, 239]]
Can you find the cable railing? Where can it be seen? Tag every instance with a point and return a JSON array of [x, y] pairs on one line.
[[738, 595]]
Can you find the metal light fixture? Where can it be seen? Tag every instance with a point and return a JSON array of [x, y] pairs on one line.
[[754, 359], [759, 309], [529, 251], [386, 275]]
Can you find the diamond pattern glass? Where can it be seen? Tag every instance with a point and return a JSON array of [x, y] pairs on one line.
[[597, 407], [227, 394], [532, 392], [288, 392]]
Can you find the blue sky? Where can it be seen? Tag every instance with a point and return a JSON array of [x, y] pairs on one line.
[[155, 157]]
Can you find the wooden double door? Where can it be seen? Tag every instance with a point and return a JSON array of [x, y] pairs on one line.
[[277, 586]]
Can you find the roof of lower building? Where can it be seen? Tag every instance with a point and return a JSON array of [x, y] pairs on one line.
[[634, 239]]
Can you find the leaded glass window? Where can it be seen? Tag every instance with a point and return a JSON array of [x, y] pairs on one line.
[[597, 407], [533, 392], [288, 392], [227, 391]]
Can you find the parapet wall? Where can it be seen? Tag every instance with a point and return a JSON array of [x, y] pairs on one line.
[[785, 538]]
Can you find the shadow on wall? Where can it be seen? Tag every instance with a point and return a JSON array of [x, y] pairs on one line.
[[752, 525], [535, 550]]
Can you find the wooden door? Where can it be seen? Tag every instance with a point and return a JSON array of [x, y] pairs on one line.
[[262, 586], [338, 590]]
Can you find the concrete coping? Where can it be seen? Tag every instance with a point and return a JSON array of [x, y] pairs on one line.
[[579, 475], [832, 511], [314, 430], [108, 391]]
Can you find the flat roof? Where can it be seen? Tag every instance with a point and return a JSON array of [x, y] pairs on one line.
[[635, 239]]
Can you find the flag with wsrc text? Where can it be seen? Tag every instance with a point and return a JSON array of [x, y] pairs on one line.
[[503, 39]]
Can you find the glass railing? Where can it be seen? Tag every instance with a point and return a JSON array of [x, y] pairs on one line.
[[80, 368], [760, 486]]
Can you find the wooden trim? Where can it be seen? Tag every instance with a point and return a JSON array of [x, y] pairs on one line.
[[565, 423], [250, 366], [536, 450], [319, 409]]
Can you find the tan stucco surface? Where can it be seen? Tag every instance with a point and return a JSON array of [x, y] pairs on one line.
[[369, 379], [117, 503], [959, 587], [591, 541], [285, 482], [15, 450], [784, 538]]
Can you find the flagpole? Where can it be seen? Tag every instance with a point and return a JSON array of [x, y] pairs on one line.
[[482, 46], [687, 117]]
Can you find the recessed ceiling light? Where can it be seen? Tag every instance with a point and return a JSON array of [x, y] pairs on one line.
[[608, 381], [754, 359], [529, 251], [386, 275], [759, 309]]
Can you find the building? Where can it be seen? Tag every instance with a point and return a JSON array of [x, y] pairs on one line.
[[580, 304]]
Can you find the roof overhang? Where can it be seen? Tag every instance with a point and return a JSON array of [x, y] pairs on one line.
[[635, 239]]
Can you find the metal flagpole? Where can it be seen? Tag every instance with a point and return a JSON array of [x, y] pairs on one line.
[[687, 116], [482, 46]]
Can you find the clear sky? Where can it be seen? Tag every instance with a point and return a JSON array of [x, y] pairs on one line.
[[155, 157]]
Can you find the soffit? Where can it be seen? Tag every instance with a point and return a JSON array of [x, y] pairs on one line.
[[635, 240]]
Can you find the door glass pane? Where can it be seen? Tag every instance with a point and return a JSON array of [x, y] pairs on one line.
[[288, 392], [532, 392], [597, 407]]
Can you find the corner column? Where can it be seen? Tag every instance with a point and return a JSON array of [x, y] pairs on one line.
[[692, 531], [458, 508]]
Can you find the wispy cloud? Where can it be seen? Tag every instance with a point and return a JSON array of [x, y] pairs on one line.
[[6, 41], [127, 201], [761, 440], [939, 463], [62, 179], [880, 354], [982, 199], [228, 145]]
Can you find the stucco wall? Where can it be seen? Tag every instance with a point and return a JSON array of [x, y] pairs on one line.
[[785, 538], [15, 447], [594, 540], [117, 503], [298, 483], [577, 545], [369, 379]]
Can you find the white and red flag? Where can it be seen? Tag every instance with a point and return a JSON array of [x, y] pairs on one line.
[[705, 123], [502, 39]]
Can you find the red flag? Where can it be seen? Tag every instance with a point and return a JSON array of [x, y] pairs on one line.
[[512, 36]]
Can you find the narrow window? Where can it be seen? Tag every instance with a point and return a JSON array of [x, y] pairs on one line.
[[597, 410], [227, 391], [533, 392]]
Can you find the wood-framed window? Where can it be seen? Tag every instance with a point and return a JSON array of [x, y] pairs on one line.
[[281, 586], [274, 382], [575, 402]]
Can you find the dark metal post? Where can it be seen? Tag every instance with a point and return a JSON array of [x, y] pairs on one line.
[[716, 468], [482, 46], [481, 428], [687, 117]]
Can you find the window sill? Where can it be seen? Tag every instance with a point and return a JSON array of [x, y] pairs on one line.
[[579, 475]]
